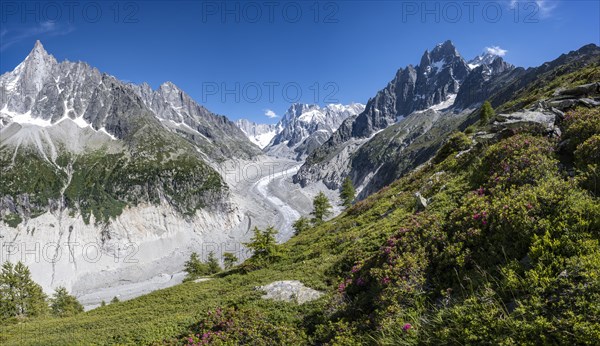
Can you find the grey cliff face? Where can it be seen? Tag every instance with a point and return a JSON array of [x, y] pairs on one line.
[[406, 122], [477, 87], [42, 89], [435, 80], [177, 110]]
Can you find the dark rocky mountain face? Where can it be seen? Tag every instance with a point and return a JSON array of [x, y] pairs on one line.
[[435, 80], [373, 160], [477, 86], [439, 75]]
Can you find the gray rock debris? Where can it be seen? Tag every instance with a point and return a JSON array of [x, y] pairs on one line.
[[421, 201], [289, 291], [545, 119]]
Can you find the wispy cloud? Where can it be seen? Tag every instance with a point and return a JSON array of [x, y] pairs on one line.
[[10, 37], [544, 7], [269, 113], [495, 50]]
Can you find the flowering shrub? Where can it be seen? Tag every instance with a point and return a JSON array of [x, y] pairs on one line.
[[457, 142], [233, 327], [395, 276], [517, 160], [587, 160], [579, 125]]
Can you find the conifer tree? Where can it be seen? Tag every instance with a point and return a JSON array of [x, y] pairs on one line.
[[20, 296], [63, 304], [301, 225], [263, 245], [321, 207], [487, 113], [229, 260], [212, 263], [348, 193], [194, 267]]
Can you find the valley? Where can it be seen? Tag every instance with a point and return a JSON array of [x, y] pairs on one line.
[[459, 203]]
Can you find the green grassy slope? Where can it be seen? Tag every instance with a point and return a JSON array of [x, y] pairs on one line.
[[506, 252], [153, 163]]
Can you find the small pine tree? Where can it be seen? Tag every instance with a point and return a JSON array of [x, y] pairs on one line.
[[348, 193], [63, 304], [229, 260], [486, 113], [301, 225], [194, 267], [264, 246], [115, 300], [20, 296], [321, 208], [103, 303], [212, 263]]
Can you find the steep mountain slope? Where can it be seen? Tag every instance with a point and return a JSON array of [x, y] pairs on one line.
[[214, 134], [376, 161], [305, 127], [41, 91], [434, 84], [58, 113], [493, 241], [259, 134], [512, 84], [85, 159]]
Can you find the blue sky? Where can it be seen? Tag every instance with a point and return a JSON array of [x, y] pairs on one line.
[[251, 59]]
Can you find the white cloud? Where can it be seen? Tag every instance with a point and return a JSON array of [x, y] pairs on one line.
[[544, 7], [495, 50], [269, 113], [10, 37]]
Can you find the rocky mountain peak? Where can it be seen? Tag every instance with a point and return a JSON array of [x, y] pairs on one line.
[[39, 59], [498, 65], [38, 52], [304, 127], [486, 58], [445, 50], [296, 109], [29, 76], [425, 59]]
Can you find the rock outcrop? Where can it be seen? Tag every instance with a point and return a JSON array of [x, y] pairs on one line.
[[289, 291]]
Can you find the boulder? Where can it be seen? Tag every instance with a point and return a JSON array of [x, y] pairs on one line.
[[563, 104], [289, 291], [421, 201], [581, 90], [542, 120]]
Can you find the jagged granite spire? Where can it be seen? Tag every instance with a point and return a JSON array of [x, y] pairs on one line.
[[43, 91]]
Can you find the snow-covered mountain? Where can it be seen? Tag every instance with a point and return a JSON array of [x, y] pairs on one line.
[[484, 59], [46, 93], [302, 129], [305, 127], [259, 134]]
